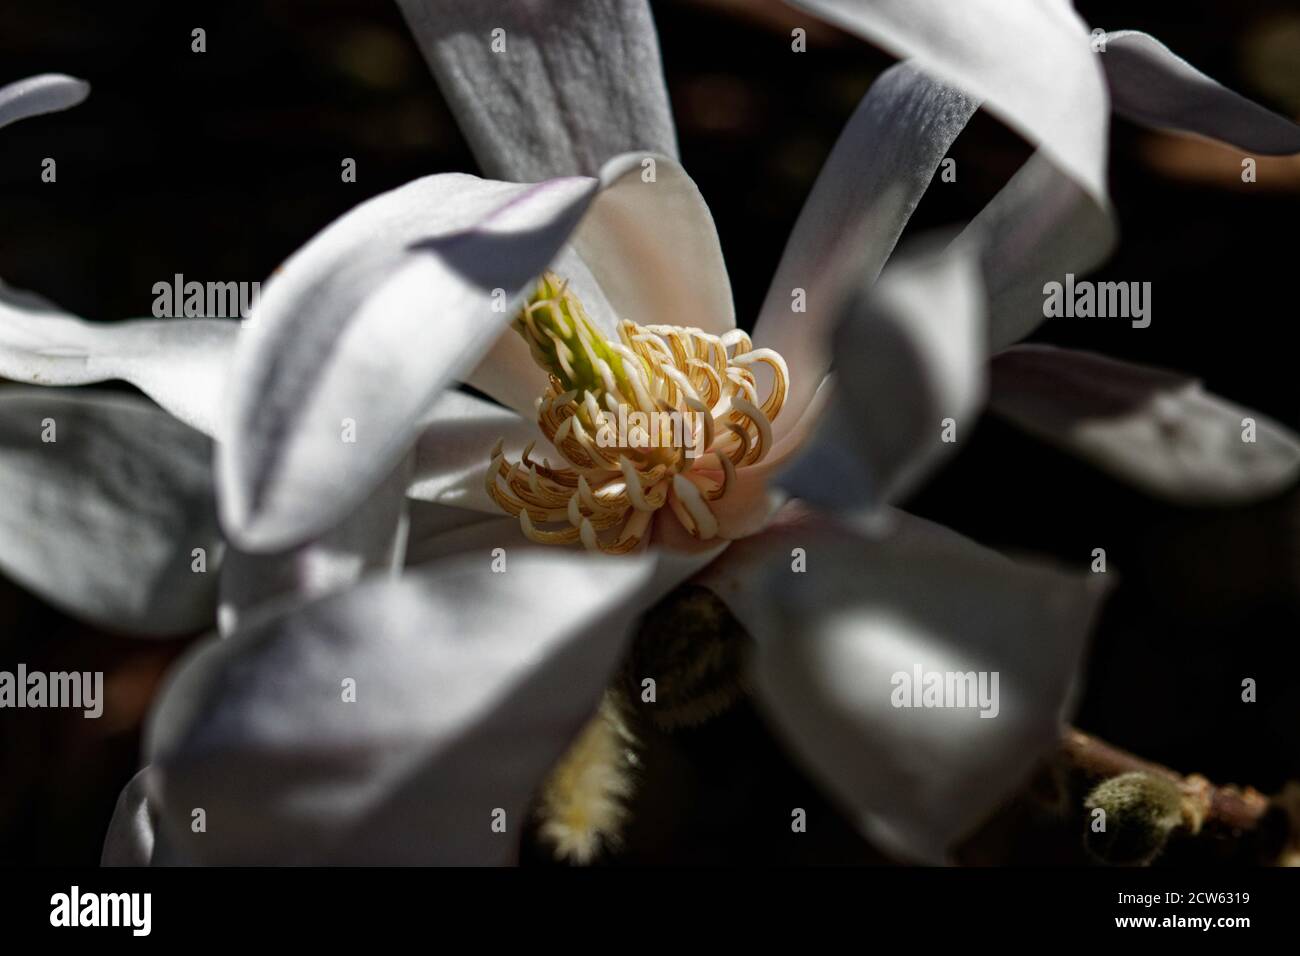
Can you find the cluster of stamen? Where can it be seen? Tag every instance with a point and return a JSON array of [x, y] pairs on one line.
[[662, 417]]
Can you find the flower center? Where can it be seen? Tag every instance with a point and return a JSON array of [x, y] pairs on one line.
[[662, 417]]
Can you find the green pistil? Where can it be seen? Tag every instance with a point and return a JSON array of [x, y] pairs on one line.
[[553, 318]]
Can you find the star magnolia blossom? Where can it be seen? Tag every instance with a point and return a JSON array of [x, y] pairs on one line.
[[368, 561]]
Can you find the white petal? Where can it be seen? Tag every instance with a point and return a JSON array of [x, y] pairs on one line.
[[1040, 226], [1151, 85], [372, 538], [911, 355], [430, 520], [438, 532], [179, 363], [366, 325], [865, 194], [1028, 61], [566, 86], [102, 521], [831, 640], [508, 374], [1055, 216], [455, 447], [130, 837], [748, 507], [653, 248], [1158, 430], [47, 93], [469, 685]]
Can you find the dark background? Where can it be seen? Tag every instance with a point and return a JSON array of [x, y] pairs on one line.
[[221, 164]]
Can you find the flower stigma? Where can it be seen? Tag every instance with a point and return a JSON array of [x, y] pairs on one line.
[[663, 417]]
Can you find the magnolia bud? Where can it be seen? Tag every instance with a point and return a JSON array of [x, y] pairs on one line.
[[1141, 810], [694, 649]]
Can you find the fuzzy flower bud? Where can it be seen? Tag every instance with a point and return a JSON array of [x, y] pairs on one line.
[[1140, 811]]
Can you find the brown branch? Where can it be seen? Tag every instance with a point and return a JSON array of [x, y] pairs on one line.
[[1231, 806]]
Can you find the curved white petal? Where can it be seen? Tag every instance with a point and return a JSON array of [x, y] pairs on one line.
[[1151, 85], [1041, 225], [911, 357], [1044, 224], [179, 363], [650, 242], [864, 196], [1158, 430], [35, 95], [438, 531], [832, 642], [468, 686], [102, 521], [130, 837], [372, 538], [548, 87], [361, 329], [1028, 61], [1031, 64], [455, 447]]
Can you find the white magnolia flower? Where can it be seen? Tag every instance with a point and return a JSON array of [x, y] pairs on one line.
[[469, 683]]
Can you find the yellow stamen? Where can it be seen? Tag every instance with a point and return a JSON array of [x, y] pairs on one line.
[[644, 420]]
